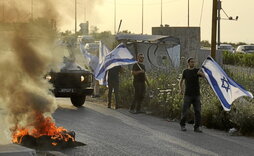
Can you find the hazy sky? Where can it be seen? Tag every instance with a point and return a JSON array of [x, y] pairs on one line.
[[174, 14], [101, 14]]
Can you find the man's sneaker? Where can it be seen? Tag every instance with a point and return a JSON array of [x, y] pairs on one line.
[[138, 112], [198, 130], [132, 111], [183, 128]]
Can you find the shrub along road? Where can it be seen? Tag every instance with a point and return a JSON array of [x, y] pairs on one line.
[[117, 132]]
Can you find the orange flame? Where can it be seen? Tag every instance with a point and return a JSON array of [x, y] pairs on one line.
[[41, 127]]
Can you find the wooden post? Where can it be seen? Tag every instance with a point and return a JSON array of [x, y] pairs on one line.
[[214, 29], [75, 16]]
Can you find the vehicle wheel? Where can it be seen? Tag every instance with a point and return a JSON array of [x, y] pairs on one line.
[[78, 101]]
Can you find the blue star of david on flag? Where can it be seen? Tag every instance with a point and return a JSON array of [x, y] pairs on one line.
[[225, 84], [226, 89]]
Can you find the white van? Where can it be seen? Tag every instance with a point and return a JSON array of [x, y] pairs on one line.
[[245, 49], [226, 47]]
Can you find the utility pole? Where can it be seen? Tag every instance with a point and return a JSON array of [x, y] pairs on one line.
[[214, 29], [161, 13], [219, 18], [84, 10], [3, 10], [188, 13], [32, 10], [75, 16], [142, 17], [115, 17]]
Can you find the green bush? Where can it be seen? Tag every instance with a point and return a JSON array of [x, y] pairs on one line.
[[126, 90], [163, 100], [238, 59], [162, 96], [242, 116]]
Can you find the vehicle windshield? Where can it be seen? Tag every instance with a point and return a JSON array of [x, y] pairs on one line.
[[226, 47], [249, 48]]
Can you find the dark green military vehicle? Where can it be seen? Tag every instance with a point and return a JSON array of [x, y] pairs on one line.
[[72, 82]]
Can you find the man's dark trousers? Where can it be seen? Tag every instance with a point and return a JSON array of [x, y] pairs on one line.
[[115, 86], [140, 89], [188, 100]]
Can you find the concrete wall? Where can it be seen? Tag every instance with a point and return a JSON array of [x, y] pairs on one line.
[[157, 53], [189, 38], [203, 53]]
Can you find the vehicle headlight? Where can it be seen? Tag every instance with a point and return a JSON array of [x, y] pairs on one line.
[[48, 77], [82, 78]]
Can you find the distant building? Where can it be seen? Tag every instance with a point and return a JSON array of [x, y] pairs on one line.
[[189, 38], [84, 28], [161, 52]]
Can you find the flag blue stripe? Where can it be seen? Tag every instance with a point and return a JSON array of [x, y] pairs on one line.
[[114, 61], [216, 88], [231, 81], [121, 46]]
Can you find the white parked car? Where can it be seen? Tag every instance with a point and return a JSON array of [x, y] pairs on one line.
[[245, 49], [226, 47]]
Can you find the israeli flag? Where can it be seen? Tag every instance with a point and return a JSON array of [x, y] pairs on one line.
[[103, 52], [92, 60], [226, 89], [117, 57]]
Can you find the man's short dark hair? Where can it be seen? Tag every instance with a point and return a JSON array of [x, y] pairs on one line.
[[189, 59]]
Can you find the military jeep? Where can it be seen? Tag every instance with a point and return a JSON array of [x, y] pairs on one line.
[[73, 82]]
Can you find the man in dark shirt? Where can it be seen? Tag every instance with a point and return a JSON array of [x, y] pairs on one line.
[[113, 84], [138, 71], [190, 77]]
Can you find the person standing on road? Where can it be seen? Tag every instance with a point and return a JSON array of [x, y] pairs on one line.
[[190, 77], [113, 84], [138, 72]]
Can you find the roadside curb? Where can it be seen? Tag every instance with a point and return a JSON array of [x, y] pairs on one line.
[[16, 150]]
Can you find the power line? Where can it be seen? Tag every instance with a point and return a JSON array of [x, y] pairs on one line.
[[115, 16], [142, 16], [75, 16], [145, 4], [85, 6], [188, 13], [201, 15], [161, 12]]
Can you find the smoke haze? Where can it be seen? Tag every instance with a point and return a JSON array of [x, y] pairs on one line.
[[25, 59], [61, 10]]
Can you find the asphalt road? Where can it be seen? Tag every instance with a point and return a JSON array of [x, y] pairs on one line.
[[117, 132]]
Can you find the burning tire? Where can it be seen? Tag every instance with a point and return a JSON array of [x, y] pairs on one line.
[[78, 101]]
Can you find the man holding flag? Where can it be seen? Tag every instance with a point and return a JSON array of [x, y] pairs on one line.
[[191, 94], [226, 89], [138, 72], [111, 62]]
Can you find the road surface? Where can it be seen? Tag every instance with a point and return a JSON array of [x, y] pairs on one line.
[[117, 132]]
